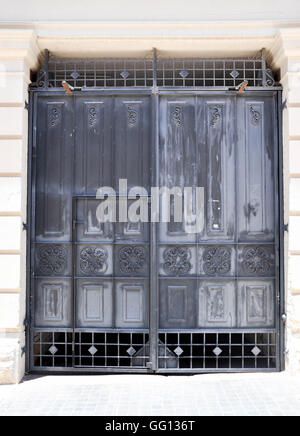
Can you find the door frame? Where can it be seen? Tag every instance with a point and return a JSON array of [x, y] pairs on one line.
[[155, 93]]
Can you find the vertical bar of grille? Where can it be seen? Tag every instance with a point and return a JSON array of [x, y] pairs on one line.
[[78, 346], [194, 72], [243, 353], [204, 350], [234, 69], [214, 73], [66, 348], [217, 356], [118, 344], [53, 344], [230, 351], [104, 74], [65, 70], [55, 74], [280, 340], [41, 349], [264, 67], [131, 363], [269, 350], [84, 74], [153, 306]]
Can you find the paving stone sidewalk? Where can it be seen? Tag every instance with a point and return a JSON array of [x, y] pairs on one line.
[[137, 395]]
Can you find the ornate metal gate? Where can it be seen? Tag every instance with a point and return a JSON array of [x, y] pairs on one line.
[[138, 297]]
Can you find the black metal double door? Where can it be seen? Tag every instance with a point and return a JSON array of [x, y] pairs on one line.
[[150, 296]]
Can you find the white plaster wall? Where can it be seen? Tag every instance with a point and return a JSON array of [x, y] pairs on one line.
[[144, 10]]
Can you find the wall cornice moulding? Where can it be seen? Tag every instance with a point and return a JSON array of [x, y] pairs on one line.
[[117, 27], [19, 44], [231, 38], [286, 44]]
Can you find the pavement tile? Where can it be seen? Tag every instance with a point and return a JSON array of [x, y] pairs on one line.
[[275, 394]]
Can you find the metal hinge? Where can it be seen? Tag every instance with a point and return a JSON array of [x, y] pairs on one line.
[[278, 298], [33, 153], [23, 350], [25, 226], [284, 104], [285, 227], [26, 106], [284, 317]]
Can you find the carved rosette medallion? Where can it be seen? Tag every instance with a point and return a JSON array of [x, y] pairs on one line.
[[132, 259], [216, 260], [257, 260], [93, 260], [177, 260], [52, 259]]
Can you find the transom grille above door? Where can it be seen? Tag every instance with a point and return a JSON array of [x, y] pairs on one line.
[[150, 296], [154, 71]]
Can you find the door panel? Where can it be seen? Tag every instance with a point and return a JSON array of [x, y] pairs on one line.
[[255, 169], [54, 170], [217, 304], [53, 303], [132, 136], [222, 278], [94, 308], [94, 144], [256, 303], [177, 156], [112, 142], [177, 304], [53, 218]]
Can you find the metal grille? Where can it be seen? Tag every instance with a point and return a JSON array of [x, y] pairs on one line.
[[52, 349], [207, 351], [110, 349], [217, 351], [100, 73], [148, 72], [91, 349], [213, 73]]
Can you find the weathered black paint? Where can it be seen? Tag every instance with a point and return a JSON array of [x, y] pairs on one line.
[[226, 279]]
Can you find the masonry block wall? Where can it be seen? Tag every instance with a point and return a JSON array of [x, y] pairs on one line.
[[286, 56], [17, 56]]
